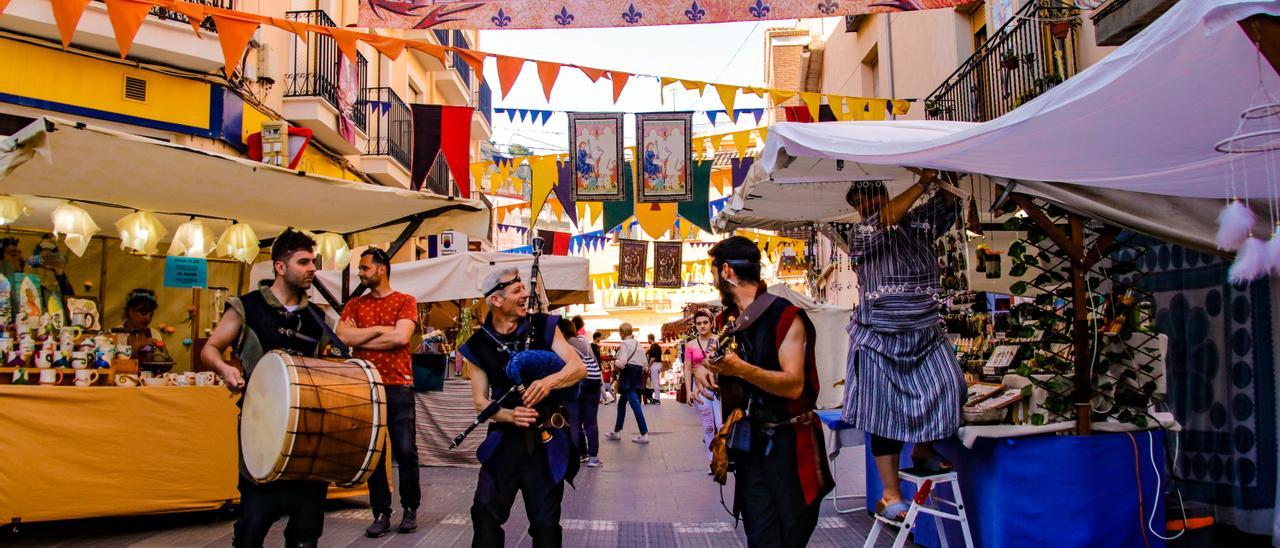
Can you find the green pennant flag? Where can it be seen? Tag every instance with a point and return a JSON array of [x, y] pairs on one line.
[[696, 210], [617, 212]]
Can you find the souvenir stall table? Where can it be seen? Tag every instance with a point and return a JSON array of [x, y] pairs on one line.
[[449, 298], [1097, 488], [124, 443]]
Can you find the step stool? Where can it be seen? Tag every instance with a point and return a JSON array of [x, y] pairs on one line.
[[920, 504]]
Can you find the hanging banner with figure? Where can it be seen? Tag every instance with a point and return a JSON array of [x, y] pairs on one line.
[[667, 262], [664, 151], [633, 256], [595, 141], [569, 14]]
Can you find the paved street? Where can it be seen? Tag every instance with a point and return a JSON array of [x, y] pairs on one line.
[[654, 495]]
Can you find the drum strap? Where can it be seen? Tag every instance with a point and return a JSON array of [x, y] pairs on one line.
[[343, 349]]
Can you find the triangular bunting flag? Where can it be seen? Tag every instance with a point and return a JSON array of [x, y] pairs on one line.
[[594, 74], [544, 178], [547, 73], [473, 58], [564, 187], [436, 51], [508, 70], [67, 14], [741, 142], [712, 115], [780, 96], [740, 167], [386, 45], [877, 109], [597, 212], [693, 85], [758, 92], [619, 82], [728, 94], [655, 219], [836, 103], [855, 108], [901, 107], [699, 147], [546, 115], [234, 35], [764, 135], [478, 171], [511, 114], [346, 41], [665, 81], [195, 15], [126, 18], [814, 102]]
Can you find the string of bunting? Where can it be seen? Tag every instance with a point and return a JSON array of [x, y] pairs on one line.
[[542, 116], [236, 29]]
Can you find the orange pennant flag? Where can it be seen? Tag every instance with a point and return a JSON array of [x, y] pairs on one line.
[[386, 45], [430, 49], [693, 85], [234, 35], [619, 82], [195, 15], [3, 4], [297, 28], [722, 179], [508, 70], [473, 58], [346, 41], [547, 73], [780, 96], [593, 73], [727, 96], [126, 18], [67, 13], [814, 102], [665, 81]]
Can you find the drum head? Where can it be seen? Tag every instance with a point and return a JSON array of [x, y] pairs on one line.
[[264, 420]]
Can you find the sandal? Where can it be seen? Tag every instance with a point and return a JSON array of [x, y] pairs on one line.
[[932, 465], [895, 512]]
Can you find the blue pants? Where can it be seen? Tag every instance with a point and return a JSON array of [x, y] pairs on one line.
[[402, 440], [584, 428], [630, 397]]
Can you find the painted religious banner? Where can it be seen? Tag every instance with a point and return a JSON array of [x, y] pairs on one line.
[[568, 14], [595, 140], [667, 260], [663, 142], [633, 258]]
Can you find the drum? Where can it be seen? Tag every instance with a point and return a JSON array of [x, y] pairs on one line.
[[313, 419]]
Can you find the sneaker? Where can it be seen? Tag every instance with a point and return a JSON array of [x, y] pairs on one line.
[[642, 438], [594, 462], [409, 523], [582, 458], [381, 524], [612, 436]]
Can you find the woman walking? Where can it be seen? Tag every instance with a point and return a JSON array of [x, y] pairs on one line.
[[695, 355], [629, 365], [582, 412]]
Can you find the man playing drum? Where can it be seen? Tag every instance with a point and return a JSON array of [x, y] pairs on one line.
[[519, 454], [275, 317], [378, 326]]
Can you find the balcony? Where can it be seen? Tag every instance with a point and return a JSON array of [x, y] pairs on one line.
[[323, 85], [1029, 55], [1119, 20], [390, 156], [165, 37], [454, 80], [482, 120]]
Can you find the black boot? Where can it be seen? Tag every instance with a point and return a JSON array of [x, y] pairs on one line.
[[381, 524], [409, 523]]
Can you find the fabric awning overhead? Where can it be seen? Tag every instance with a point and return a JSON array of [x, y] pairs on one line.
[[53, 160]]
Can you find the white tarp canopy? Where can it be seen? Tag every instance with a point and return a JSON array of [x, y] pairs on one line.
[[110, 173], [1144, 119], [565, 280]]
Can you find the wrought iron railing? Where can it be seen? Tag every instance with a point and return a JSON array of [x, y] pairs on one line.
[[207, 24], [442, 36], [1034, 51], [317, 68], [485, 104], [390, 126]]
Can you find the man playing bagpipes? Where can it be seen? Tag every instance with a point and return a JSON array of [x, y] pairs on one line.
[[520, 363], [764, 371]]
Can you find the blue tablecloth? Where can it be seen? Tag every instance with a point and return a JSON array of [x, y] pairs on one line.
[[1051, 490]]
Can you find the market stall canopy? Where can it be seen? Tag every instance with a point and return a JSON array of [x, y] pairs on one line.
[[457, 277], [52, 161], [1145, 119]]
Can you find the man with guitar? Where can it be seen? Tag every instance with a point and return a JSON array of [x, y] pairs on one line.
[[765, 374]]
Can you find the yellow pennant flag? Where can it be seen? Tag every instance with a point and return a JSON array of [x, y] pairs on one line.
[[727, 96], [666, 81], [583, 214], [764, 135], [857, 108], [780, 96], [758, 92], [655, 219], [693, 85], [878, 110], [544, 179], [699, 147], [837, 106], [814, 102], [478, 172], [741, 141], [597, 210], [901, 107]]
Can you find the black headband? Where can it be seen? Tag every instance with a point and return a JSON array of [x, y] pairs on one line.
[[501, 286]]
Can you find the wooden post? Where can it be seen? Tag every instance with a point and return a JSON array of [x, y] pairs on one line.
[[1080, 342]]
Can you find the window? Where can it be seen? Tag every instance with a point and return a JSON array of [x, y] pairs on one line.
[[415, 93], [871, 72]]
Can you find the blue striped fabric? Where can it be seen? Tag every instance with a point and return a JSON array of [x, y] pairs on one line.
[[583, 347], [902, 380]]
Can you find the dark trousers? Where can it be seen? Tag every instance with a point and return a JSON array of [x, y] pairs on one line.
[[402, 437], [629, 397], [262, 505], [584, 428], [768, 496], [518, 464]]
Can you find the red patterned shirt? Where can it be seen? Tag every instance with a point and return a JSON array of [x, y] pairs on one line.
[[395, 366]]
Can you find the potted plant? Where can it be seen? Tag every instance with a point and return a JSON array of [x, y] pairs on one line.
[[1010, 60]]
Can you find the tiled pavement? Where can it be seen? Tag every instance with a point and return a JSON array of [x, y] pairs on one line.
[[654, 495]]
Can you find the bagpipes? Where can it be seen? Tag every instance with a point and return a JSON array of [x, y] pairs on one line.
[[525, 365]]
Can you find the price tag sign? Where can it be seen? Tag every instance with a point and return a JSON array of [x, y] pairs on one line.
[[186, 272]]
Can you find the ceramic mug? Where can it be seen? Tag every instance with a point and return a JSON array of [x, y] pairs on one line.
[[50, 376], [154, 381], [20, 376], [190, 377], [79, 359], [15, 359], [108, 352], [124, 380], [86, 377], [174, 379], [206, 378]]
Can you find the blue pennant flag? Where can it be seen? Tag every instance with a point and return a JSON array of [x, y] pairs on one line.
[[546, 115], [712, 114]]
